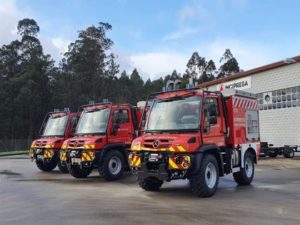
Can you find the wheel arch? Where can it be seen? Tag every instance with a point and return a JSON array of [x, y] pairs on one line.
[[207, 149], [116, 146], [245, 149]]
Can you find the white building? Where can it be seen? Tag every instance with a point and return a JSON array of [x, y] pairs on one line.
[[277, 86]]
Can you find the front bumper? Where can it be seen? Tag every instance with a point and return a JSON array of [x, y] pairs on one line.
[[80, 157], [43, 154], [162, 165]]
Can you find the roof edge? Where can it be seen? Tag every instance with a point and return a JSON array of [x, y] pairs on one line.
[[251, 71]]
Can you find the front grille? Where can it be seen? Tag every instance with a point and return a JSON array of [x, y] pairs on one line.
[[163, 143], [76, 143], [41, 143]]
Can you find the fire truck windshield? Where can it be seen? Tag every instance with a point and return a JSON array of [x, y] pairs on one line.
[[93, 122], [55, 126], [175, 114]]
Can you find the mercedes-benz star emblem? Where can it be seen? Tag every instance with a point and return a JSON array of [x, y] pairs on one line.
[[155, 144]]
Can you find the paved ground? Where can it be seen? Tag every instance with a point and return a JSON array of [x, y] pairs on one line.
[[28, 196]]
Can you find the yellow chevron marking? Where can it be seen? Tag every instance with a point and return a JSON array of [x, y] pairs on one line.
[[171, 149], [138, 162], [181, 148], [172, 164], [92, 146], [63, 156], [134, 159]]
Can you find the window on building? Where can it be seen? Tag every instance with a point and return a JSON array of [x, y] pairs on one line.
[[278, 105], [294, 96]]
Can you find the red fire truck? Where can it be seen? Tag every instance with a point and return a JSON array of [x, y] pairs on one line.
[[55, 129], [102, 139], [198, 135]]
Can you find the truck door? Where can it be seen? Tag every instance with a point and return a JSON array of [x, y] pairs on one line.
[[213, 123], [123, 121]]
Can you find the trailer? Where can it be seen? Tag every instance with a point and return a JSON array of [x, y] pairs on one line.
[[288, 151]]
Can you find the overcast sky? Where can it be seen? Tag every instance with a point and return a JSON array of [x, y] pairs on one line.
[[158, 36]]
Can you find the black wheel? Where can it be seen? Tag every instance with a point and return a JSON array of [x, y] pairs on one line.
[[245, 175], [78, 172], [112, 166], [62, 167], [205, 182], [46, 165], [149, 183], [273, 154], [289, 153]]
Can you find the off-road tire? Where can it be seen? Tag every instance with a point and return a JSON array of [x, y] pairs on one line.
[[149, 183], [46, 166], [246, 174], [62, 167], [78, 172], [204, 182], [112, 166]]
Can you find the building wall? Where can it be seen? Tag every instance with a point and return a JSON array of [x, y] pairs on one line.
[[279, 126]]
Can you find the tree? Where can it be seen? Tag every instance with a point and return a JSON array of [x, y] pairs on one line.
[[229, 66], [136, 87], [28, 28], [208, 74], [199, 69], [89, 64], [196, 66], [25, 71]]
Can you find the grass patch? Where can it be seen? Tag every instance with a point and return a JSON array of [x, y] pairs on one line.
[[9, 153]]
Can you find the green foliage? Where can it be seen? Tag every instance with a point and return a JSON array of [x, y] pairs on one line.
[[199, 69], [229, 66], [31, 85]]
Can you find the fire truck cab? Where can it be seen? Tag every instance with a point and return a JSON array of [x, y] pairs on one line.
[[55, 129], [198, 135], [102, 139]]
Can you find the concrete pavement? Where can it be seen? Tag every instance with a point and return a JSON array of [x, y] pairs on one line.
[[29, 196]]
